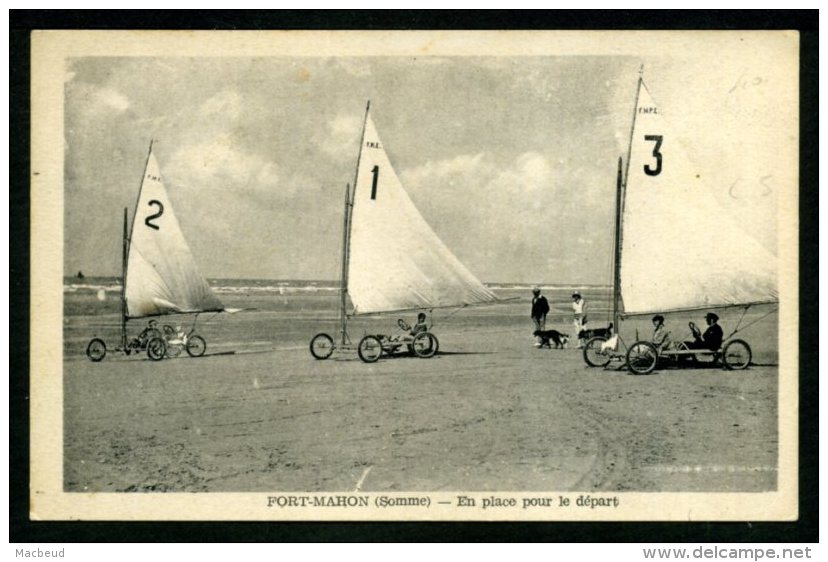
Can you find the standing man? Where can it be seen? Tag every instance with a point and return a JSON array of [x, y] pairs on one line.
[[540, 308], [579, 316]]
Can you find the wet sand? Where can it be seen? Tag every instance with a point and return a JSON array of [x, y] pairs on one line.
[[489, 412]]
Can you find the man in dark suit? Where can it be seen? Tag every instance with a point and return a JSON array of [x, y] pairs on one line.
[[540, 308], [712, 337]]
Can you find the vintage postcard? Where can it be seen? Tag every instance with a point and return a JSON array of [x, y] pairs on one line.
[[306, 275]]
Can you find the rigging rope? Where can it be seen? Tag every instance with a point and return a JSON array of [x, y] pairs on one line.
[[752, 323]]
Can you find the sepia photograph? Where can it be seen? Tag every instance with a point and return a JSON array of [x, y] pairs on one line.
[[390, 275]]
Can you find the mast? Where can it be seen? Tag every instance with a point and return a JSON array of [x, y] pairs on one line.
[[346, 235], [343, 274], [632, 127], [616, 282], [621, 186], [124, 254], [127, 239]]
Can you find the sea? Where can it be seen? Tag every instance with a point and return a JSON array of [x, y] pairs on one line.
[[89, 284]]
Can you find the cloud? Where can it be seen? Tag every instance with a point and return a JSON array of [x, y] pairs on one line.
[[220, 164], [354, 66], [112, 99], [227, 104], [454, 171], [341, 139]]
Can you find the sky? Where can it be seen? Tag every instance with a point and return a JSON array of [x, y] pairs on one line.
[[511, 160]]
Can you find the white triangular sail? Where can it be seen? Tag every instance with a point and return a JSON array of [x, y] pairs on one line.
[[681, 248], [161, 275], [396, 260]]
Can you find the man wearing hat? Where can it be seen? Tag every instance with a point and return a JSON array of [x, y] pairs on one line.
[[540, 308], [712, 337], [579, 319]]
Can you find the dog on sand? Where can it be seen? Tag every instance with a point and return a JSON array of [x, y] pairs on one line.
[[585, 335], [548, 337]]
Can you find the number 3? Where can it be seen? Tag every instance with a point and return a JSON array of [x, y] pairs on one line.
[[149, 219], [647, 170]]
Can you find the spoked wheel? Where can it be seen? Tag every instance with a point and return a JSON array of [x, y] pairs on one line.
[[425, 345], [96, 350], [174, 349], [593, 355], [196, 346], [156, 349], [736, 355], [369, 349], [642, 357], [322, 346]]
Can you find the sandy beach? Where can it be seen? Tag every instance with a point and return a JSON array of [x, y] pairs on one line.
[[489, 412]]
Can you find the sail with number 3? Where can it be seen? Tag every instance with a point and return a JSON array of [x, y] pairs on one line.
[[161, 276], [395, 260], [681, 248]]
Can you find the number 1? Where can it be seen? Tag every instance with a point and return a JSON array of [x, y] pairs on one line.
[[375, 171]]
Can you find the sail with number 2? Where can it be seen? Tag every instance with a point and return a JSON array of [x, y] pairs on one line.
[[396, 261], [681, 248], [161, 276]]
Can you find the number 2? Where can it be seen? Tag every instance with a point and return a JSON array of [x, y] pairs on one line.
[[149, 219], [647, 170]]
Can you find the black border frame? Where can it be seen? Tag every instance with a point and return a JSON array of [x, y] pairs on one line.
[[22, 529]]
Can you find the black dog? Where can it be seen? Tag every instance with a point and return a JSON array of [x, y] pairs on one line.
[[584, 335], [551, 336]]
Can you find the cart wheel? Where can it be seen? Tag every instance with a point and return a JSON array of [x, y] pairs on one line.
[[593, 355], [321, 346], [196, 346], [641, 357], [369, 349], [736, 355], [96, 350], [425, 345], [174, 349], [156, 349]]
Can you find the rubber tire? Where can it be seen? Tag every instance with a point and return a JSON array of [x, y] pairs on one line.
[[635, 366], [597, 341], [431, 350], [325, 353], [197, 351], [156, 349], [96, 350], [366, 357], [736, 366]]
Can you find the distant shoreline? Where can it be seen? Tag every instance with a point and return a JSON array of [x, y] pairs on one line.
[[231, 285]]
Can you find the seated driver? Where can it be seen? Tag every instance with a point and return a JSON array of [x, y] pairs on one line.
[[419, 327], [661, 336], [712, 337], [152, 326]]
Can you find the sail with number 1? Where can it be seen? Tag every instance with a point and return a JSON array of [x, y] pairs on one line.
[[384, 275], [392, 259]]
